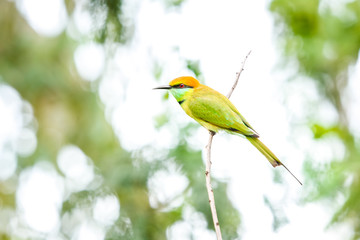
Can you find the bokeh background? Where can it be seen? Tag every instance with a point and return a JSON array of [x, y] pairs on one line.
[[89, 151]]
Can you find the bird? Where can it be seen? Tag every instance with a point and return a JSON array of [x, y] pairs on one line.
[[215, 112]]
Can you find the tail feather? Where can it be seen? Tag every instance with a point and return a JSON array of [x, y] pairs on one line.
[[270, 156], [265, 151]]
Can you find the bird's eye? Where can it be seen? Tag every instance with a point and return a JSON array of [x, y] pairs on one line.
[[181, 85]]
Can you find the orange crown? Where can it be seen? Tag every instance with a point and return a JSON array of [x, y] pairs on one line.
[[188, 81]]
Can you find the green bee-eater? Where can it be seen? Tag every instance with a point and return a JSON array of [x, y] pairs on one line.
[[215, 112]]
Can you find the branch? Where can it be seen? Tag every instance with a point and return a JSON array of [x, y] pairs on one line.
[[238, 75], [210, 190], [208, 163]]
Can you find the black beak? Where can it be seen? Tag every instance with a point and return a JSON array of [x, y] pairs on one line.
[[163, 87]]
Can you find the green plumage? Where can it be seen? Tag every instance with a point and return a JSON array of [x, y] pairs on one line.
[[207, 105], [215, 112]]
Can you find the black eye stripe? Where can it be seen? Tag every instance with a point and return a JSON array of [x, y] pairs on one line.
[[178, 86]]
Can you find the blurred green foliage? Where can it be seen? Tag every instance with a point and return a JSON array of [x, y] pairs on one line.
[[68, 110], [325, 44], [279, 218], [109, 14], [324, 39]]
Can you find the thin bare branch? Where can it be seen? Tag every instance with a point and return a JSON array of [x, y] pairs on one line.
[[238, 75], [210, 190], [208, 164]]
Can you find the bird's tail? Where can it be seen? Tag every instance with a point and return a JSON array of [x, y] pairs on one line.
[[270, 156]]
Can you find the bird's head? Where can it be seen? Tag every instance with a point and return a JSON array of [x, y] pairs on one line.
[[180, 87]]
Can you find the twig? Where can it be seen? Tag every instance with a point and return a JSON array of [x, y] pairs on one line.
[[238, 75], [208, 163]]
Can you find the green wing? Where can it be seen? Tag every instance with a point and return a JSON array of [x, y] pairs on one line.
[[242, 118], [216, 109]]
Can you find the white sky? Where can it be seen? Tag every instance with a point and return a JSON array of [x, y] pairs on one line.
[[218, 34]]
